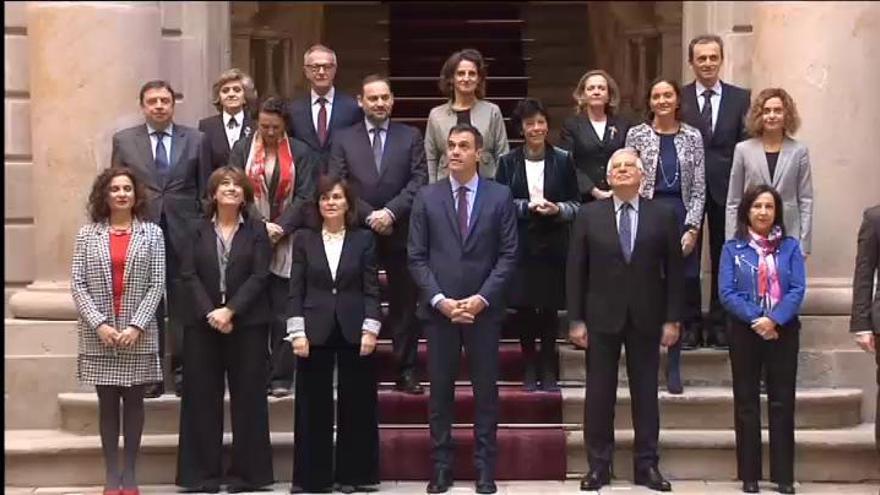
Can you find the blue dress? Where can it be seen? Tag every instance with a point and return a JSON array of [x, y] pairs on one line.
[[667, 190]]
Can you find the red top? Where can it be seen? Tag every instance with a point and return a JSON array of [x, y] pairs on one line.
[[118, 250]]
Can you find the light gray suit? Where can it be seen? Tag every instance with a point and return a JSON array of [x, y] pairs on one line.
[[793, 180]]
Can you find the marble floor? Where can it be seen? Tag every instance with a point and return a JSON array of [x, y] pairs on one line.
[[518, 488]]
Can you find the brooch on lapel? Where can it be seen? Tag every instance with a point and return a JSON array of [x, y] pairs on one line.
[[246, 131], [613, 131]]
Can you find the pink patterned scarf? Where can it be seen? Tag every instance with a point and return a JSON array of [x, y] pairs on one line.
[[769, 291]]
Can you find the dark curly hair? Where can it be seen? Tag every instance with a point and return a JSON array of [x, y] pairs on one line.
[[447, 73], [528, 108], [275, 106], [99, 209]]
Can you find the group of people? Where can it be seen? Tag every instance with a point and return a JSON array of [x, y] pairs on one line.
[[257, 239]]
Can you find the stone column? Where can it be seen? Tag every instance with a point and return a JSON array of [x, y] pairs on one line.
[[87, 63], [827, 56]]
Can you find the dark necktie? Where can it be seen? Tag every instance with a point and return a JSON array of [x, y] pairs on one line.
[[462, 212], [706, 113], [624, 229], [232, 124], [322, 121], [377, 146], [161, 160]]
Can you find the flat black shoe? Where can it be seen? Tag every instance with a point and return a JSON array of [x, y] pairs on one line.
[[785, 488], [408, 384], [201, 489], [595, 479], [652, 479], [750, 487], [486, 486], [689, 341], [154, 391], [721, 340], [440, 482], [299, 489]]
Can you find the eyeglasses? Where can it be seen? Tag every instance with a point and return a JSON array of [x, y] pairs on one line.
[[315, 68]]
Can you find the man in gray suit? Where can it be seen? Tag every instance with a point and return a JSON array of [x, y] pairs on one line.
[[385, 163], [173, 161], [865, 320]]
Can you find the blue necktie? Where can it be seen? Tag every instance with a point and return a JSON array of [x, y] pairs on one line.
[[624, 228], [162, 163]]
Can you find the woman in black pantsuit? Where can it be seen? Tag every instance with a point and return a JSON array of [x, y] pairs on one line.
[[334, 308], [761, 283], [225, 268]]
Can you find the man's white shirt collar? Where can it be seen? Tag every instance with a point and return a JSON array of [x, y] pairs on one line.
[[702, 89], [329, 96]]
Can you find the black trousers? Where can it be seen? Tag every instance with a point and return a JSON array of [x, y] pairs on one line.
[[642, 361], [356, 455], [480, 341], [282, 362], [877, 414], [749, 353], [168, 307], [402, 299], [239, 358], [715, 218]]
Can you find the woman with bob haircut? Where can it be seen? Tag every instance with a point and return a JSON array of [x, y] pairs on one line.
[[117, 280], [334, 323], [225, 269], [463, 82], [761, 283]]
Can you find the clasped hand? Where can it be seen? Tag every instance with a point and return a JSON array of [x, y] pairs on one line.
[[112, 337], [766, 328], [220, 319], [381, 222], [544, 207], [274, 231], [462, 311]]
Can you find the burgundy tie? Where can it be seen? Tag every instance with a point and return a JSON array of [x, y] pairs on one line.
[[322, 121], [462, 212]]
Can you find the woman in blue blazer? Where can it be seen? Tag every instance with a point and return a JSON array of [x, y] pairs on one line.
[[761, 283]]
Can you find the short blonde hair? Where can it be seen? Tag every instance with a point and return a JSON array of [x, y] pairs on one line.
[[755, 120], [613, 92], [228, 76]]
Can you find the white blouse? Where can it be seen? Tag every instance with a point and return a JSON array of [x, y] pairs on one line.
[[599, 127], [535, 179]]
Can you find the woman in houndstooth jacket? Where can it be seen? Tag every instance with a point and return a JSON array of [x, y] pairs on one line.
[[117, 280]]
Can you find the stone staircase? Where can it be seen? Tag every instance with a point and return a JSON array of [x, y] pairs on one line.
[[51, 423]]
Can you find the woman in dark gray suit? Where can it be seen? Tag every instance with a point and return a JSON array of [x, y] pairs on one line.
[[545, 194], [334, 323], [773, 157], [117, 280]]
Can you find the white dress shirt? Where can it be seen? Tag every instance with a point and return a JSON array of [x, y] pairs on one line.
[[599, 127], [535, 179], [154, 140], [333, 247], [633, 218], [316, 107], [715, 98], [233, 134]]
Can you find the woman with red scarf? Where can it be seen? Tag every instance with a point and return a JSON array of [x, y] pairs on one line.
[[761, 282], [282, 172]]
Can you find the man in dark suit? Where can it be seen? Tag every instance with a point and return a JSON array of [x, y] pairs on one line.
[[718, 109], [865, 320], [385, 163], [624, 287], [234, 95], [315, 117], [462, 254], [173, 161]]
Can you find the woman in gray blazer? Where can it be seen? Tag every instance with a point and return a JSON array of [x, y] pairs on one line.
[[463, 81], [773, 157], [117, 280]]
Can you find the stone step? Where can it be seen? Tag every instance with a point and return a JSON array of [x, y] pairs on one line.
[[57, 458], [698, 408], [711, 408], [845, 454]]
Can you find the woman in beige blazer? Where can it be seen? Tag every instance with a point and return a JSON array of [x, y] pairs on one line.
[[773, 157], [463, 81]]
